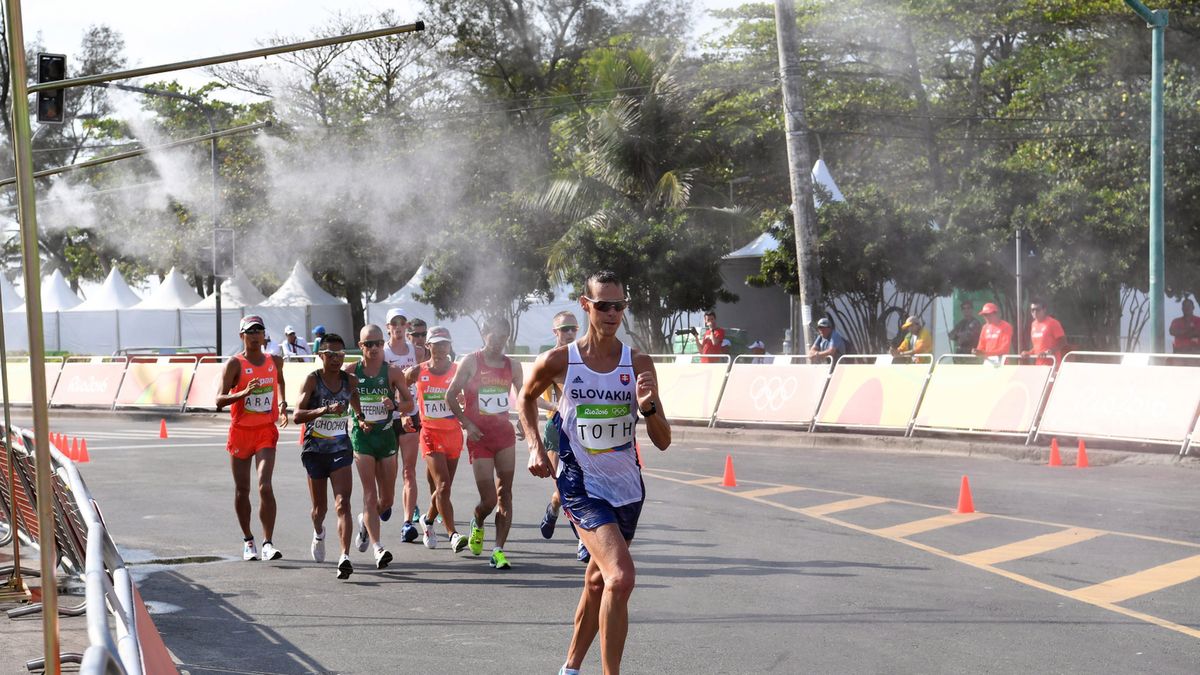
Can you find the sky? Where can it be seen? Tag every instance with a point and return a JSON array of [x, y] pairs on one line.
[[159, 32]]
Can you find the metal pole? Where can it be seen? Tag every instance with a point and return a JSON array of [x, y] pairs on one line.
[[139, 152], [228, 58], [799, 167], [23, 157], [1157, 21]]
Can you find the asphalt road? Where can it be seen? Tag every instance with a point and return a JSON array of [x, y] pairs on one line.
[[820, 561]]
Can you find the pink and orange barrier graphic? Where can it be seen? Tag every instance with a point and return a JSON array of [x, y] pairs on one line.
[[206, 383], [772, 393], [162, 383], [882, 396], [983, 397], [1155, 403], [89, 381]]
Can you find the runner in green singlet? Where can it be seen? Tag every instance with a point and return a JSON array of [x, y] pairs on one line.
[[381, 391]]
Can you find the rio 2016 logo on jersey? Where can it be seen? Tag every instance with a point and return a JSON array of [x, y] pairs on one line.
[[624, 378]]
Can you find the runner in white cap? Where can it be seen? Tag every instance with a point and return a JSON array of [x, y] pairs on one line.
[[400, 354], [250, 386]]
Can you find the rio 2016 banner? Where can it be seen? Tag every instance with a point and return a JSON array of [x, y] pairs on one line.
[[1139, 402], [20, 380], [983, 397], [690, 391], [778, 394], [89, 381], [870, 395], [206, 383]]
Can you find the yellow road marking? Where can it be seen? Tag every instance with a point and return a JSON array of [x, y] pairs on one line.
[[768, 491], [844, 505], [928, 524], [1141, 583], [711, 480], [1012, 576], [1032, 546]]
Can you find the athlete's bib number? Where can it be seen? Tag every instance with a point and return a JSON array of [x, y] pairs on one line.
[[261, 400], [434, 406], [601, 428], [493, 400], [373, 408], [330, 426]]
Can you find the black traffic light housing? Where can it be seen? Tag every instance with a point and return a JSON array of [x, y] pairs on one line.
[[51, 104]]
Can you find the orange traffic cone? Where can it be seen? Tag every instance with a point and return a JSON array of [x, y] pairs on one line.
[[55, 441], [1081, 460], [74, 453], [730, 479], [638, 450], [162, 428], [300, 441], [1055, 458], [965, 503], [83, 458]]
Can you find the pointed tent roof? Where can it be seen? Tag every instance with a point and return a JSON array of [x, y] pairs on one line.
[[822, 177], [8, 295], [405, 294], [56, 294], [755, 249], [300, 290], [236, 291], [113, 294], [173, 293]]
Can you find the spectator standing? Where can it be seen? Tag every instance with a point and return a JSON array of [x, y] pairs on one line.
[[829, 344], [1046, 336], [759, 351], [965, 334], [713, 341], [995, 337], [318, 336], [917, 341], [293, 346], [1186, 330]]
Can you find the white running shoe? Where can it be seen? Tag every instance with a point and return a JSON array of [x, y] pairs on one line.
[[318, 547], [345, 568], [382, 558], [457, 542], [362, 541], [269, 552], [249, 550], [430, 537]]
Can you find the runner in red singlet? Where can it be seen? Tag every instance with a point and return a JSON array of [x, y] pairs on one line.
[[487, 379], [250, 386]]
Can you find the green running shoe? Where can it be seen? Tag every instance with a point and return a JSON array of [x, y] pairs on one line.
[[498, 560], [475, 543]]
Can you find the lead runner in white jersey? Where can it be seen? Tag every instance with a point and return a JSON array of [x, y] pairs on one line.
[[599, 477]]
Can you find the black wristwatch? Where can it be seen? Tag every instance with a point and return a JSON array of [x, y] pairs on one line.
[[652, 411]]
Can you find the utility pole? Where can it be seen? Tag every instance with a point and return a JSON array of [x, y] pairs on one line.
[[1157, 21], [808, 265]]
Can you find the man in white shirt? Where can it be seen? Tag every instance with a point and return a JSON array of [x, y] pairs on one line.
[[294, 345]]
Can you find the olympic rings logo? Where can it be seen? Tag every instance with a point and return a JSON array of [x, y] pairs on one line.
[[772, 393]]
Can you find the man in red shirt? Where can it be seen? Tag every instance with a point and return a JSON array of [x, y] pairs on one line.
[[1046, 336], [713, 341], [1186, 330], [995, 339]]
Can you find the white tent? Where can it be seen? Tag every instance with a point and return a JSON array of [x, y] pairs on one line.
[[93, 326], [822, 177], [199, 324], [16, 333], [302, 303], [57, 297], [463, 330], [155, 321]]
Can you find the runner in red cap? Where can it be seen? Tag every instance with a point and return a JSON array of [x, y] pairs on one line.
[[250, 386], [995, 340]]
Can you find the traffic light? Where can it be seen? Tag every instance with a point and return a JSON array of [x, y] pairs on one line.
[[51, 104]]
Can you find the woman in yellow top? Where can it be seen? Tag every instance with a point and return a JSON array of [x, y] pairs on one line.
[[918, 341]]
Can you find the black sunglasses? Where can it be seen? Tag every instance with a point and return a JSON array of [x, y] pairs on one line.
[[608, 305], [567, 329], [373, 343], [419, 334]]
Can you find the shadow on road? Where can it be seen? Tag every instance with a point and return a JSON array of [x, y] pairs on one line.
[[259, 649]]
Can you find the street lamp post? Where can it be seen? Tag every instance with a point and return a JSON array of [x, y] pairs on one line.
[[1157, 21], [212, 129]]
